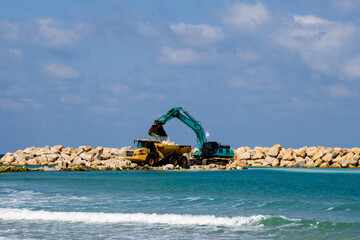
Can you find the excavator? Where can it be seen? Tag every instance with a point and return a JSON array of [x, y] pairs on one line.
[[208, 151]]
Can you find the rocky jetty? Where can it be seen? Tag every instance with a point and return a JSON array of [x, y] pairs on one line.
[[277, 156], [104, 158], [83, 157]]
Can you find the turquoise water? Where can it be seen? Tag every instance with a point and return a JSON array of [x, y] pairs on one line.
[[258, 203]]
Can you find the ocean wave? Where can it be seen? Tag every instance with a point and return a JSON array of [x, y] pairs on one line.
[[100, 217]]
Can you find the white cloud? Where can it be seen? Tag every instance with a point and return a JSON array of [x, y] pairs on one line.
[[56, 70], [309, 20], [341, 91], [54, 34], [352, 68], [197, 35], [319, 42], [244, 17], [20, 104], [182, 56], [8, 30], [346, 5]]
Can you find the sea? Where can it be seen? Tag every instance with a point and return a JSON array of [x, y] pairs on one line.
[[258, 203]]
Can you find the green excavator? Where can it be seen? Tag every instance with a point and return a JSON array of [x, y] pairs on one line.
[[207, 151]]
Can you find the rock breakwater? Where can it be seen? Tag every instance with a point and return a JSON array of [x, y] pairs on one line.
[[277, 156], [104, 158], [83, 157]]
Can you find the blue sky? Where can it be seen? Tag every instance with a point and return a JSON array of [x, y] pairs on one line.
[[255, 73]]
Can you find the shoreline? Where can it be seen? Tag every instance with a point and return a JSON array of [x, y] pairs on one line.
[[104, 158]]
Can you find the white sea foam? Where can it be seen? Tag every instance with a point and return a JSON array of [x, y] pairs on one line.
[[99, 217]]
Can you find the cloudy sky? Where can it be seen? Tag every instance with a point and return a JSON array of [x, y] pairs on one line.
[[255, 73]]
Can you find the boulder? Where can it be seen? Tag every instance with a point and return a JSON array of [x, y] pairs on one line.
[[335, 165], [78, 161], [351, 157], [301, 152], [300, 163], [244, 156], [52, 157], [309, 162], [275, 162], [344, 163], [268, 160], [258, 155], [72, 156], [318, 155], [274, 150], [311, 151], [325, 165], [327, 157], [240, 163], [168, 167], [284, 163], [86, 156], [281, 154], [289, 155], [105, 155], [318, 162], [56, 149], [32, 162]]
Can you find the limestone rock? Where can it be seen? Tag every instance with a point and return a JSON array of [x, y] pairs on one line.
[[78, 161], [56, 149], [335, 165], [325, 165], [318, 155], [258, 155], [52, 157], [318, 162], [244, 156], [301, 152], [327, 157], [283, 163], [288, 156], [344, 163], [86, 156], [281, 154], [240, 163], [105, 155], [275, 162], [168, 167], [311, 151], [274, 150], [31, 162]]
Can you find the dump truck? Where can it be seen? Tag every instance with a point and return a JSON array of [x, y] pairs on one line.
[[154, 153], [208, 151]]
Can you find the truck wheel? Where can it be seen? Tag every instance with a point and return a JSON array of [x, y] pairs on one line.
[[174, 161], [151, 161], [184, 162]]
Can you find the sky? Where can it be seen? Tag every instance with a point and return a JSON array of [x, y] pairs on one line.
[[254, 73]]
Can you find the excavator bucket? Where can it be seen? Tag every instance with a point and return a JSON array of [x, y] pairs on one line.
[[157, 131]]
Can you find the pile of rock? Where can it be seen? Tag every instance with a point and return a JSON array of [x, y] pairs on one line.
[[277, 156], [67, 158]]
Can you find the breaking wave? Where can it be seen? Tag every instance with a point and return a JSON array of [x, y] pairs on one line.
[[99, 217]]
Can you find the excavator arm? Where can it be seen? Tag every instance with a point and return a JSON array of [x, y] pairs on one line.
[[157, 130]]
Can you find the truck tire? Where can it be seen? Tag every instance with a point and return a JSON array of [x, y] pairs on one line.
[[151, 161], [174, 161], [184, 162]]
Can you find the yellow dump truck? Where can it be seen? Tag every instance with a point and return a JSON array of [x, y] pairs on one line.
[[156, 153]]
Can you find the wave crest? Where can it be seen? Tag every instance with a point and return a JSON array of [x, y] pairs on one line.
[[100, 217]]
